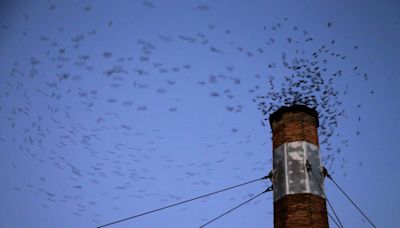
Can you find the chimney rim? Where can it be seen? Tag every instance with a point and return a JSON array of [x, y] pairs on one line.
[[294, 108]]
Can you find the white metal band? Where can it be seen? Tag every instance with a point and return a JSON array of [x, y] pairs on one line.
[[290, 173]]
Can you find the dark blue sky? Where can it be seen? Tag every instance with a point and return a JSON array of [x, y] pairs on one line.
[[112, 108]]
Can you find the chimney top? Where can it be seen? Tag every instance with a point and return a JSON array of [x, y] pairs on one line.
[[277, 115]]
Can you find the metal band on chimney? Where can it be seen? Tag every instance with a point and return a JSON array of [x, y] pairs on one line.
[[290, 171]]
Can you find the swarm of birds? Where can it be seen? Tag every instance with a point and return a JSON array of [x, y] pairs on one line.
[[309, 80], [93, 116]]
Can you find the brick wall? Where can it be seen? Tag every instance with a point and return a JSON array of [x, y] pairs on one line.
[[296, 123], [300, 211]]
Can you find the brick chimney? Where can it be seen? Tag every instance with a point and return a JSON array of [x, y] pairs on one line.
[[299, 200]]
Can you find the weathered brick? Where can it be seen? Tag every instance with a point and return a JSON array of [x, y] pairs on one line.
[[296, 123], [300, 211]]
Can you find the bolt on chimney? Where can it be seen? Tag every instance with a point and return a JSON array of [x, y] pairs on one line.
[[299, 199]]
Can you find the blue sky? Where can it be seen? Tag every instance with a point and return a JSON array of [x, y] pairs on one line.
[[111, 109]]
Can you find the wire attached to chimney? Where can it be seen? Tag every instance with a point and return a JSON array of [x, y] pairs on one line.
[[182, 202], [348, 197], [333, 219], [309, 168], [227, 212]]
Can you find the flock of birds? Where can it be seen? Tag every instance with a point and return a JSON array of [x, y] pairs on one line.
[[313, 82], [58, 104]]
